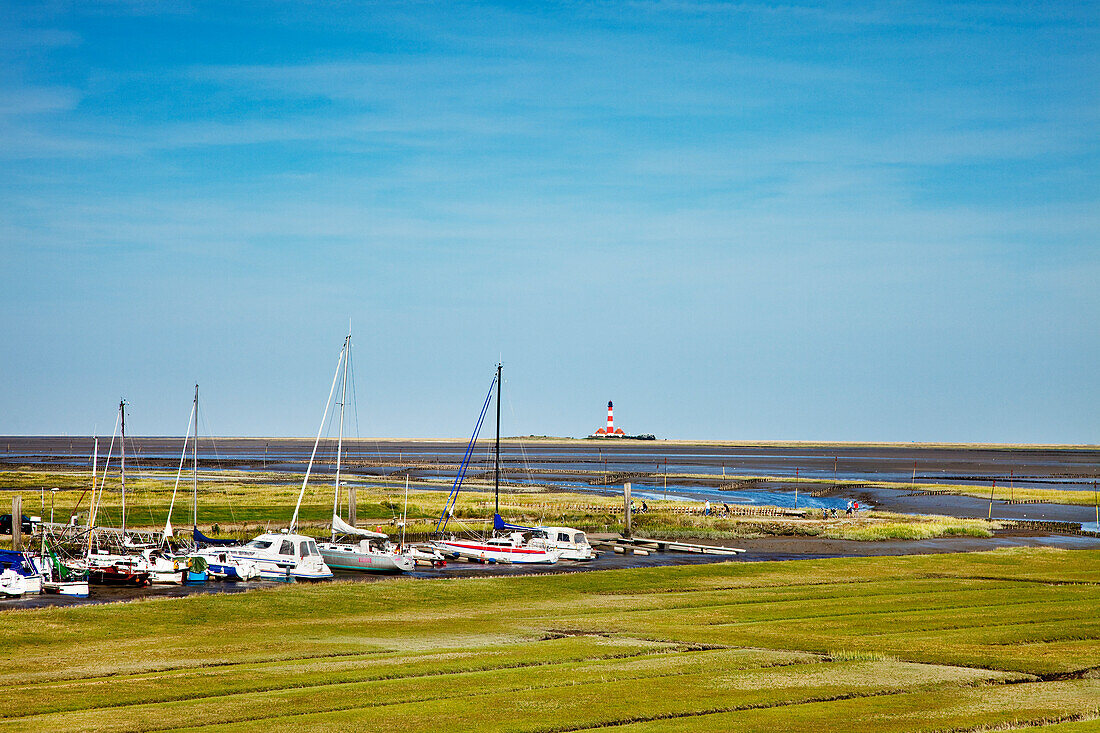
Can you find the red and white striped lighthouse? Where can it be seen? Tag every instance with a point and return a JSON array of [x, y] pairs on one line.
[[609, 430]]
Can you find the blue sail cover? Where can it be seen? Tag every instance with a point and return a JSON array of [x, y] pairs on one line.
[[201, 539], [18, 562], [500, 526]]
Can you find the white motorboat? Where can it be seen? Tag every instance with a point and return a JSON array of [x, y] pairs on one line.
[[281, 555], [221, 564], [571, 544]]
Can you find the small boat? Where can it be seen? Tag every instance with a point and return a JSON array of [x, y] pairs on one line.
[[76, 588], [59, 579], [12, 584], [278, 556], [366, 551], [119, 570], [23, 564], [222, 565], [513, 546], [570, 544]]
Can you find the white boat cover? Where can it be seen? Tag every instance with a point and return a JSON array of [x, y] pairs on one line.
[[343, 527]]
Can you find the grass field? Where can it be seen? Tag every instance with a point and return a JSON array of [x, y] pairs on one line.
[[1002, 640]]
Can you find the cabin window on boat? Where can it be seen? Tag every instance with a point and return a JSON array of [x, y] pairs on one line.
[[259, 544], [307, 548], [563, 537], [579, 538], [287, 548], [313, 548]]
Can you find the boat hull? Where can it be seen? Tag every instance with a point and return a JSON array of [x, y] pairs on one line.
[[77, 588], [349, 557], [483, 552]]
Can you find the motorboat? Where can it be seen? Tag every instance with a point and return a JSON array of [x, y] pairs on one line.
[[278, 556], [571, 544], [221, 565]]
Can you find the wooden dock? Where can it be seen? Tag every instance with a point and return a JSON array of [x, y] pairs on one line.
[[645, 545]]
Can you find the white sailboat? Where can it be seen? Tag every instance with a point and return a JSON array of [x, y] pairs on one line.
[[358, 549], [511, 546]]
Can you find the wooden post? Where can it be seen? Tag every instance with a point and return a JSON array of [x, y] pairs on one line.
[[351, 505], [626, 504], [17, 523]]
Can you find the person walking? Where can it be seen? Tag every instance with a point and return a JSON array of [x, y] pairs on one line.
[[706, 508]]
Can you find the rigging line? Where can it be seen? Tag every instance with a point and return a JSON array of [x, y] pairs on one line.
[[179, 473], [522, 446], [309, 468], [441, 523], [103, 481], [217, 457]]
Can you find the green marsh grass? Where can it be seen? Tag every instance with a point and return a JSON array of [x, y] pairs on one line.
[[931, 642]]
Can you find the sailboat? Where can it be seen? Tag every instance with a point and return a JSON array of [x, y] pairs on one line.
[[117, 568], [510, 546], [202, 564], [359, 549], [285, 555]]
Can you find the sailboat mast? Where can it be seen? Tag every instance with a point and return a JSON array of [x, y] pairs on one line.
[[122, 471], [340, 439], [195, 465], [496, 467], [93, 505]]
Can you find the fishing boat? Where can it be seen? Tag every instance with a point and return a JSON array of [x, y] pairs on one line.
[[349, 547], [512, 546]]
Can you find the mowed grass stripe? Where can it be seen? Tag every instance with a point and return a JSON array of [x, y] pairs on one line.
[[228, 680], [582, 705], [982, 708], [691, 667], [767, 605], [884, 606]]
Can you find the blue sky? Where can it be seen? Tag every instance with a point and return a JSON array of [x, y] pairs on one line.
[[738, 221]]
